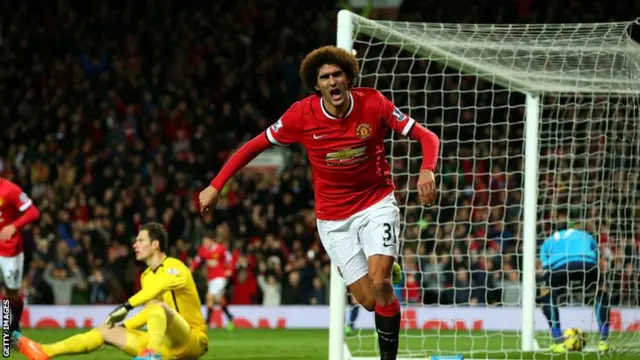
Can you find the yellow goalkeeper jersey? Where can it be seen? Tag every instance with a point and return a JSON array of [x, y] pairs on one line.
[[173, 284]]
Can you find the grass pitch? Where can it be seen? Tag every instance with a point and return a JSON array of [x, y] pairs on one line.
[[249, 344]]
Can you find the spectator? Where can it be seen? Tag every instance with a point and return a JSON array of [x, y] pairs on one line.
[[511, 287], [245, 288], [293, 291], [271, 290], [323, 271], [63, 278], [465, 291], [432, 279], [98, 288], [317, 295]]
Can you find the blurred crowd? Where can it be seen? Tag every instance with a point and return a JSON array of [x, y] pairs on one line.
[[128, 111]]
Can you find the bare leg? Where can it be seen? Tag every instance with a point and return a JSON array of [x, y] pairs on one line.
[[364, 292]]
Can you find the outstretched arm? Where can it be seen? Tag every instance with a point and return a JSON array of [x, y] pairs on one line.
[[240, 159], [283, 132]]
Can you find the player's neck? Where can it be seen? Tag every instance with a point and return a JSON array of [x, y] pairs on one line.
[[155, 260], [337, 111]]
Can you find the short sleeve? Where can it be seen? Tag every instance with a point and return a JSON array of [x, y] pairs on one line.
[[393, 117], [285, 131], [20, 199]]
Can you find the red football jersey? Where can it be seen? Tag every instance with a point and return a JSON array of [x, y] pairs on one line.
[[347, 156], [13, 202], [216, 259]]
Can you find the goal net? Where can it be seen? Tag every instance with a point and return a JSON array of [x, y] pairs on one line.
[[562, 101]]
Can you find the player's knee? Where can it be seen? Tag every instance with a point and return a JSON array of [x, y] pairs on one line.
[[109, 335], [365, 298], [380, 270], [160, 307], [155, 306], [368, 303], [12, 294], [102, 329], [167, 310], [382, 286]]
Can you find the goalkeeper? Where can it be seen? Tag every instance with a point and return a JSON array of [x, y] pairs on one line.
[[171, 313], [571, 255]]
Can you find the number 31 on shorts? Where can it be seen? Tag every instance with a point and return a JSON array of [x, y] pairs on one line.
[[389, 235]]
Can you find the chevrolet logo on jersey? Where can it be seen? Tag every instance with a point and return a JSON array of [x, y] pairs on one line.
[[346, 156]]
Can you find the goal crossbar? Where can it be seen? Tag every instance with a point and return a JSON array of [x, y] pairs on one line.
[[526, 82]]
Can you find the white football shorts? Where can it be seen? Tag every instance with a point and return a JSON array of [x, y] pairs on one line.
[[217, 286], [12, 270], [350, 242]]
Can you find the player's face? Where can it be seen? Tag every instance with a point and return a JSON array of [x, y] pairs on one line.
[[207, 241], [334, 86], [142, 246]]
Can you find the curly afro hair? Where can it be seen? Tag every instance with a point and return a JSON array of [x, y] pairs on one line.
[[323, 56]]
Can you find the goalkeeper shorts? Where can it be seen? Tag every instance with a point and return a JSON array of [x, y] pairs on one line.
[[582, 273]]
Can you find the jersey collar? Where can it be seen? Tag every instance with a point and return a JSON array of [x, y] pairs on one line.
[[159, 266], [326, 113]]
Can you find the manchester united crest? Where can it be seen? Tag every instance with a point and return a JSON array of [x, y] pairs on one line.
[[363, 131]]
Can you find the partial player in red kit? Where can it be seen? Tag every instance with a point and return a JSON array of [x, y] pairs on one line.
[[216, 258], [16, 211], [343, 130]]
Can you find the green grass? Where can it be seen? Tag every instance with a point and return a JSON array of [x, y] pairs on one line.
[[313, 344]]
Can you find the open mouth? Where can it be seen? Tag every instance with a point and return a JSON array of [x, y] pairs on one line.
[[336, 94]]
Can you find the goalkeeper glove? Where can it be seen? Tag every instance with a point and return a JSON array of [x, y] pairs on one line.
[[118, 314]]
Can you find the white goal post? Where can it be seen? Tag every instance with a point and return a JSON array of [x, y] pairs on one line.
[[587, 65]]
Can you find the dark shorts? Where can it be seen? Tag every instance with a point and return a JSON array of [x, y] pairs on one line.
[[586, 274]]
